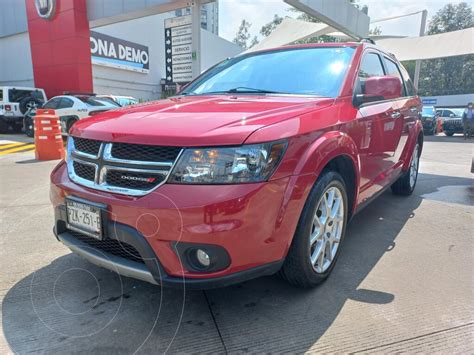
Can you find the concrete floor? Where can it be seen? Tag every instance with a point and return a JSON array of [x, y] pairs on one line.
[[404, 281]]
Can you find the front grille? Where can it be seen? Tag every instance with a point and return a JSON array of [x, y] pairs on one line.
[[84, 171], [88, 146], [110, 246], [144, 152], [134, 180], [128, 169]]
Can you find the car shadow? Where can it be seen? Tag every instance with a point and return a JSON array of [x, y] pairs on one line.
[[71, 305]]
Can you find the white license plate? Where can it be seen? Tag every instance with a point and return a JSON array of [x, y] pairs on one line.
[[84, 218]]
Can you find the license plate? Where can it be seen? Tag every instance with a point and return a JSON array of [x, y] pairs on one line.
[[84, 218]]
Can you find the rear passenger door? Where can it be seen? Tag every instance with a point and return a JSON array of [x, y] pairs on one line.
[[406, 113]]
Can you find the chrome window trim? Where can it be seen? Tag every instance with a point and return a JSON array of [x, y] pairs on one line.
[[101, 169]]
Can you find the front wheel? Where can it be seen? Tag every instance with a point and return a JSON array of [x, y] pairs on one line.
[[320, 233], [406, 183], [449, 134]]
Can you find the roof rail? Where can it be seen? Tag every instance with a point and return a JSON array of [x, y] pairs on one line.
[[367, 40]]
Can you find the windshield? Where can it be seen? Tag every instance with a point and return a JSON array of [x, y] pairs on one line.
[[428, 111], [316, 71]]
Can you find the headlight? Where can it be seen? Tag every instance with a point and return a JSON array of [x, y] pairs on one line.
[[233, 165]]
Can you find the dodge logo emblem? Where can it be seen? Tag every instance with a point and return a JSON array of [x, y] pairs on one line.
[[45, 8]]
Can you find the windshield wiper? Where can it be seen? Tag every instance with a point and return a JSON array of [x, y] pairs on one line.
[[244, 89]]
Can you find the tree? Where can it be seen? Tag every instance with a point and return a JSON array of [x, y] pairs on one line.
[[376, 31], [267, 29], [243, 35], [253, 42], [452, 75]]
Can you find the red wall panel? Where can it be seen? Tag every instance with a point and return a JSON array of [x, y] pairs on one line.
[[60, 48]]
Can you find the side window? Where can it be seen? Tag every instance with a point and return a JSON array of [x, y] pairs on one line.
[[392, 70], [52, 104], [1, 94], [370, 66], [411, 91], [66, 103]]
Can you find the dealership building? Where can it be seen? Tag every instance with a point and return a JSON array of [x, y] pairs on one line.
[[122, 47]]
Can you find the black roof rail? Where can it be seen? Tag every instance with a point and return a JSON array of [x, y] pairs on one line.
[[367, 40]]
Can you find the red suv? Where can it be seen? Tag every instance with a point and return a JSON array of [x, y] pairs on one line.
[[256, 167]]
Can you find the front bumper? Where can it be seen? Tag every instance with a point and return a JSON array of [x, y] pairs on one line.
[[150, 270], [254, 223]]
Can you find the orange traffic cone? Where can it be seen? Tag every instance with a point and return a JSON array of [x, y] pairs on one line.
[[48, 139]]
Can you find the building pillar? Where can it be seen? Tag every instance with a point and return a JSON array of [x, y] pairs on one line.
[[60, 47]]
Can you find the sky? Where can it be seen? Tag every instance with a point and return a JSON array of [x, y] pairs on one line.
[[260, 12]]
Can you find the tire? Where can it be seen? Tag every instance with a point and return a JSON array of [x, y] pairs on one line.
[[298, 268], [16, 127], [29, 127], [4, 126], [28, 102], [449, 134], [405, 185]]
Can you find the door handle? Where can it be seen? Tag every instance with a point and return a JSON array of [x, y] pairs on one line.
[[395, 114], [414, 109]]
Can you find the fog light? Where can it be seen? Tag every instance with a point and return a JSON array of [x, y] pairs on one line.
[[203, 258]]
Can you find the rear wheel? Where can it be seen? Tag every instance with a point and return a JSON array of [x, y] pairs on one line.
[[406, 183], [449, 134], [29, 127], [4, 126], [320, 233]]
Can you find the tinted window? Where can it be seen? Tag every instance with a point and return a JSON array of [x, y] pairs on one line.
[[1, 94], [52, 104], [66, 103], [93, 101], [392, 70], [17, 95], [371, 66], [308, 71]]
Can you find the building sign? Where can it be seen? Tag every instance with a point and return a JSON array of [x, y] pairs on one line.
[[429, 101], [45, 8], [178, 49], [116, 53]]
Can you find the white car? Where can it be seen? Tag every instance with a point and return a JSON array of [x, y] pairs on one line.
[[15, 102], [71, 108]]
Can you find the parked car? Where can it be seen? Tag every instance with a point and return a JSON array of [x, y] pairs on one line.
[[452, 120], [256, 167], [121, 100], [429, 119], [72, 108], [14, 103]]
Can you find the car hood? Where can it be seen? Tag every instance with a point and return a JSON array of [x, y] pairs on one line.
[[195, 120]]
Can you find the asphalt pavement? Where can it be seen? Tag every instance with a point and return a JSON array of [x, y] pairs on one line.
[[403, 283]]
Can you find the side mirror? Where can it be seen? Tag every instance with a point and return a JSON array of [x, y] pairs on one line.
[[452, 115], [379, 88]]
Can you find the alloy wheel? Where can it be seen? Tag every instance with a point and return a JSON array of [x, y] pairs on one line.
[[326, 231], [414, 167]]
